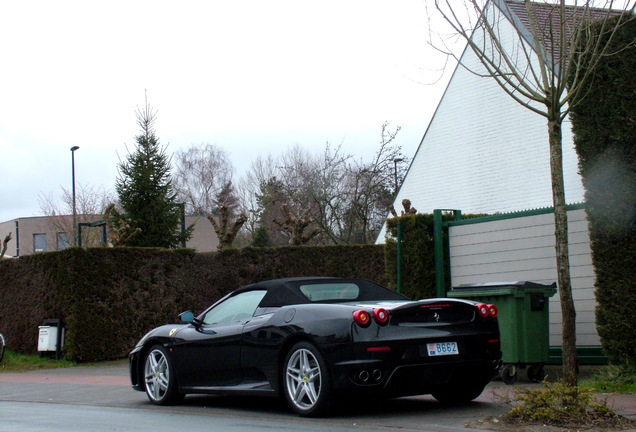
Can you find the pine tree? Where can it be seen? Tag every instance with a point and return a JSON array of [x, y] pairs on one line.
[[145, 191]]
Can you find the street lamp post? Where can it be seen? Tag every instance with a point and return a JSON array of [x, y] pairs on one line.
[[74, 208]]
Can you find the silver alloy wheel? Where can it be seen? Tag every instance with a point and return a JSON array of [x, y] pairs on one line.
[[303, 379], [157, 375]]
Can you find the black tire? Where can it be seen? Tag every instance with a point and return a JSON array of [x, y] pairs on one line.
[[459, 391], [536, 373], [3, 343], [306, 381], [160, 380], [508, 374]]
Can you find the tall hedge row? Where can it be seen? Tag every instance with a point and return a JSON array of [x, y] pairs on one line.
[[604, 127], [418, 259], [109, 297]]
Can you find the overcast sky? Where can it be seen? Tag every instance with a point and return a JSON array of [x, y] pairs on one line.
[[253, 77]]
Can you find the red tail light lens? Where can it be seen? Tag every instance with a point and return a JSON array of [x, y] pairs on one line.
[[381, 316], [493, 311], [483, 310], [362, 318], [487, 310]]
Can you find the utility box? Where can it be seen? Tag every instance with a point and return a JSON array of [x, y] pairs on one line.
[[47, 340], [523, 322], [51, 337]]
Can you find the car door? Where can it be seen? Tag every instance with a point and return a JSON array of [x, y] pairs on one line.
[[209, 354]]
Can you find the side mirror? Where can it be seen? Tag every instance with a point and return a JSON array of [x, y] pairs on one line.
[[187, 316]]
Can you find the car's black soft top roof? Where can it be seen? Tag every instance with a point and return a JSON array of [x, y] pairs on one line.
[[281, 292]]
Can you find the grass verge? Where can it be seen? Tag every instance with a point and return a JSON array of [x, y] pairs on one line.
[[612, 379], [13, 362]]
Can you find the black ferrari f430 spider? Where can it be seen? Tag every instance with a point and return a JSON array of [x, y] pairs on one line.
[[314, 339]]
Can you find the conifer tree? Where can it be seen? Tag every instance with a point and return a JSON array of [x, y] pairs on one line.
[[147, 199]]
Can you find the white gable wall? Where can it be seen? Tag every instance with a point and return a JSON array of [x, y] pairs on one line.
[[485, 153]]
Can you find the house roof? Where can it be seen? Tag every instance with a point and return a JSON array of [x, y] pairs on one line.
[[545, 21]]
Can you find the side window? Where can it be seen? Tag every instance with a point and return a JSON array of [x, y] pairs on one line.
[[62, 241], [39, 242], [236, 308]]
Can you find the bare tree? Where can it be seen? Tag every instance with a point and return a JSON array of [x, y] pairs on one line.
[[277, 182], [341, 200], [541, 61], [372, 187], [200, 174], [91, 203], [330, 191]]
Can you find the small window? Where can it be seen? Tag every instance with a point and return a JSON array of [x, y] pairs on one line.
[[62, 241], [331, 291], [39, 242], [240, 307]]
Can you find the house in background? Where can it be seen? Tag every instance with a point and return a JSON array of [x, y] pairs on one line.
[[50, 233]]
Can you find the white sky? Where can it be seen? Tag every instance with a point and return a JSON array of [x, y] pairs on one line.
[[253, 77]]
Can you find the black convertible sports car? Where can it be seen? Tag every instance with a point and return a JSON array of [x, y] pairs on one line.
[[313, 339]]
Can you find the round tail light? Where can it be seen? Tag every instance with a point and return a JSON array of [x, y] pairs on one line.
[[362, 318], [483, 310], [493, 311], [381, 316]]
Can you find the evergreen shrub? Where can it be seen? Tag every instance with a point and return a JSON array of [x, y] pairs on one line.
[[604, 128]]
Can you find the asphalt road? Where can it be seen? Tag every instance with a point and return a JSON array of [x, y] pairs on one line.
[[101, 399]]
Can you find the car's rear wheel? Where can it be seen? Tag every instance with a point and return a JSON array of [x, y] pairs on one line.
[[459, 391], [306, 381], [159, 377]]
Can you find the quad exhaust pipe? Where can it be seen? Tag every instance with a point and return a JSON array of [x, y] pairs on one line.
[[364, 376]]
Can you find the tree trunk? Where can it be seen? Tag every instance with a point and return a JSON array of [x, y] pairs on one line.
[[570, 362]]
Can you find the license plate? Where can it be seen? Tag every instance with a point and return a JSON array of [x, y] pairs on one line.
[[442, 348]]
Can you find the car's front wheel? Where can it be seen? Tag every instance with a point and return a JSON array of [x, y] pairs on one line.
[[159, 377], [306, 380]]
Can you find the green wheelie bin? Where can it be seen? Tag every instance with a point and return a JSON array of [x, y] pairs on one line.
[[523, 322]]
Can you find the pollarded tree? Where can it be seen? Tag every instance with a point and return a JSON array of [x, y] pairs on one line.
[[5, 242], [147, 198], [532, 50]]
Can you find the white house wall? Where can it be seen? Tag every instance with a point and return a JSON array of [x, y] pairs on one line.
[[485, 153], [522, 248]]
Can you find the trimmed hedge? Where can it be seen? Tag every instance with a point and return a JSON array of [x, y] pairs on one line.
[[418, 259], [418, 253], [604, 129], [109, 297]]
